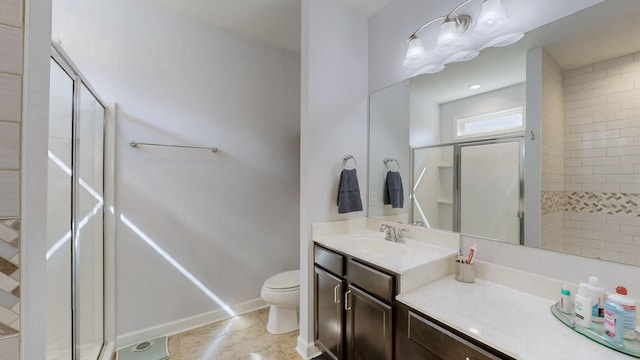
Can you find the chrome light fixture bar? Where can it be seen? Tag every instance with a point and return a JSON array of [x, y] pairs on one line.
[[452, 46]]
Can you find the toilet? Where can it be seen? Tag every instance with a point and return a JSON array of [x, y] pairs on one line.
[[282, 293]]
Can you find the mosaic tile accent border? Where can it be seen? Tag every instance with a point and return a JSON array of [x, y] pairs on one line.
[[553, 202], [9, 276], [590, 202], [604, 203]]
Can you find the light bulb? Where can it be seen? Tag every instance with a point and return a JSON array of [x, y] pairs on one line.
[[416, 54], [492, 18], [448, 38]]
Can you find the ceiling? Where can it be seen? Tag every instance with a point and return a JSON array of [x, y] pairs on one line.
[[272, 22]]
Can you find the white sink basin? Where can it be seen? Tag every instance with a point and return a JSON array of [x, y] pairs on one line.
[[378, 247], [397, 257]]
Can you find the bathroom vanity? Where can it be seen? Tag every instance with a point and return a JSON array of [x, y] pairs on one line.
[[375, 299], [356, 279], [356, 316]]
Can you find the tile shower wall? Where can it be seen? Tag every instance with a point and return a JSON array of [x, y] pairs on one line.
[[11, 65], [602, 161]]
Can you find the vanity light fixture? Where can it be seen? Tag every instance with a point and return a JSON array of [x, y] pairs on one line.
[[453, 45]]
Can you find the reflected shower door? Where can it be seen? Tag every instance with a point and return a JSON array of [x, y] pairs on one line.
[[432, 195], [59, 219], [490, 194]]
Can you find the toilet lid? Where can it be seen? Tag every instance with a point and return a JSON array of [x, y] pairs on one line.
[[284, 281]]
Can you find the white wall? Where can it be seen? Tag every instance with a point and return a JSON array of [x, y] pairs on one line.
[[333, 123], [425, 116], [493, 101], [552, 156], [35, 126], [229, 218], [389, 138]]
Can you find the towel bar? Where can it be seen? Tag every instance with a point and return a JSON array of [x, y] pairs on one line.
[[133, 143], [347, 158]]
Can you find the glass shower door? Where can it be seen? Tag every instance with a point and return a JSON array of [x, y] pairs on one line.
[[59, 219], [88, 244], [490, 190], [75, 263]]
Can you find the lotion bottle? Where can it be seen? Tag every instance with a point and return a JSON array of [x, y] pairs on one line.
[[597, 295], [583, 306]]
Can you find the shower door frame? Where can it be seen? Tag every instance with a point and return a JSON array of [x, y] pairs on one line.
[[62, 59], [457, 196]]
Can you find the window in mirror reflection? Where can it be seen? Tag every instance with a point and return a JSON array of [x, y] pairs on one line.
[[495, 123]]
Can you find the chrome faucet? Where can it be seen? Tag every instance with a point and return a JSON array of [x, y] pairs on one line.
[[389, 232], [393, 234], [400, 235]]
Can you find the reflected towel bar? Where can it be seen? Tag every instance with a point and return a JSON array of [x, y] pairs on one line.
[[133, 143], [388, 160]]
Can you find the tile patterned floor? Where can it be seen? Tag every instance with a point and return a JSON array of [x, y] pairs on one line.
[[243, 337]]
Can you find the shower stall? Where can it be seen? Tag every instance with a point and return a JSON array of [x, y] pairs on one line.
[[471, 187], [75, 216]]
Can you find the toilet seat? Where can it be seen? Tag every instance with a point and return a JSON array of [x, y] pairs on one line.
[[285, 281]]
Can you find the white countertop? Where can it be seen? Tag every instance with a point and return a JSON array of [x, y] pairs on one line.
[[516, 323], [399, 258]]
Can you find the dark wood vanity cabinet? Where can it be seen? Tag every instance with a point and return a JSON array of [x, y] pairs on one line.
[[329, 317], [353, 307], [419, 337]]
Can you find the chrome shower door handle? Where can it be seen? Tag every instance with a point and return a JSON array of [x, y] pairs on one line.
[[346, 300], [336, 298]]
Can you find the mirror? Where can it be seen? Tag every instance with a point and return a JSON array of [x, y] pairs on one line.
[[577, 83]]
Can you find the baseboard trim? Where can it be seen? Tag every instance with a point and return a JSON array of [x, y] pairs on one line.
[[107, 354], [186, 324], [306, 349]]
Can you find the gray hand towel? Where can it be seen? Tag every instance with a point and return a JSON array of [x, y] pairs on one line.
[[393, 192], [349, 192]]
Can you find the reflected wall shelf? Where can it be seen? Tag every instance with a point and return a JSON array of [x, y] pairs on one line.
[[629, 347]]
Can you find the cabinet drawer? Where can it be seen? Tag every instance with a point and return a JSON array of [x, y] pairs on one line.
[[371, 280], [329, 260], [444, 343]]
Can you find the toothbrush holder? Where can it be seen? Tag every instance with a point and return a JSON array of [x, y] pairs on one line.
[[465, 272]]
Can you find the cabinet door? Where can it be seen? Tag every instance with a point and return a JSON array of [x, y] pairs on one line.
[[328, 313], [368, 328]]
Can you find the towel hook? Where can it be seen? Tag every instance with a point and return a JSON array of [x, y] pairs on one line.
[[347, 158], [388, 160]]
